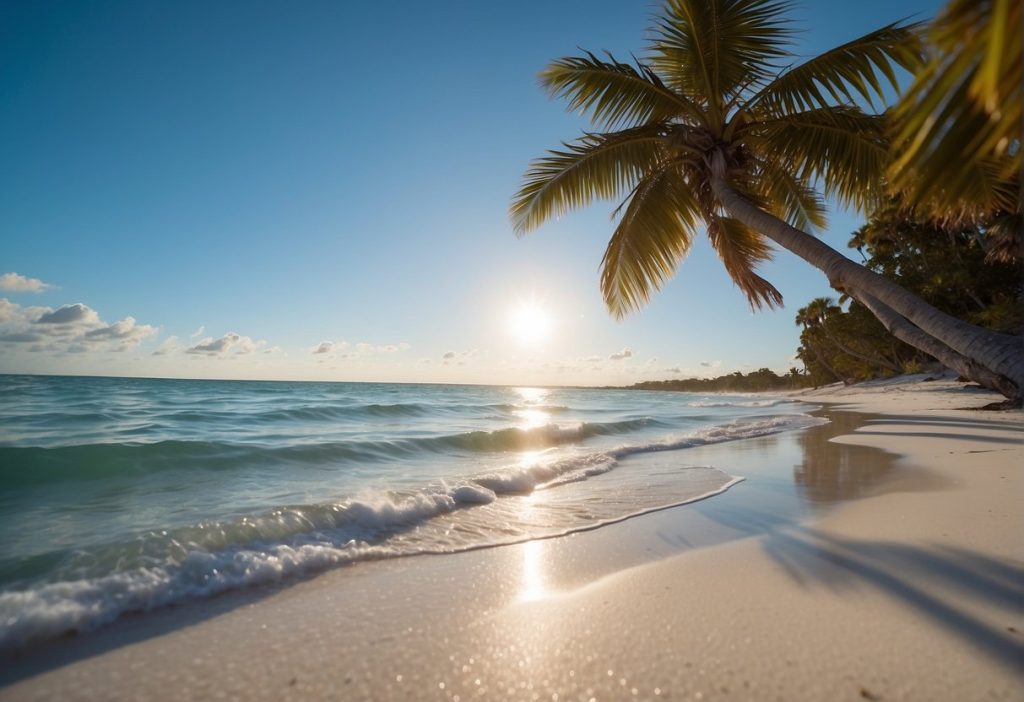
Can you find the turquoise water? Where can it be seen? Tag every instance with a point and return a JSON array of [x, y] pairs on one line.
[[121, 495]]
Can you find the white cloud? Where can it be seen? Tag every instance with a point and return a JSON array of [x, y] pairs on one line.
[[360, 349], [674, 369], [14, 282], [198, 332], [231, 344], [8, 310], [75, 328], [126, 332], [621, 355], [169, 346], [70, 314]]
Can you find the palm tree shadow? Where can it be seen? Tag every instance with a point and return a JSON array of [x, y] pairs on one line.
[[927, 579]]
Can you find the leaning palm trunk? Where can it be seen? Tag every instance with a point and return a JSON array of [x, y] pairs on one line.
[[908, 333], [1000, 354]]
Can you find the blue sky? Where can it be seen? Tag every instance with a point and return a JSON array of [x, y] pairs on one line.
[[247, 180]]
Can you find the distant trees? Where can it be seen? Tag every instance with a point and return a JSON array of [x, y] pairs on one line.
[[950, 265], [761, 380]]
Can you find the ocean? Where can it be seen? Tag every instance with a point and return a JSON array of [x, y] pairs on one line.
[[121, 495]]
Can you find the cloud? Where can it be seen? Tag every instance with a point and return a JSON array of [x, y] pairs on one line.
[[69, 314], [127, 332], [360, 349], [674, 369], [170, 345], [230, 344], [8, 310], [450, 357], [22, 337], [75, 328], [198, 332], [621, 355], [14, 282], [710, 364]]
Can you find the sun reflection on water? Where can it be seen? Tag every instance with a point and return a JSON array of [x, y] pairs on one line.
[[532, 396], [532, 418]]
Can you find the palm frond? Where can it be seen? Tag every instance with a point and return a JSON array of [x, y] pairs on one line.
[[965, 105], [614, 94], [976, 190], [790, 198], [706, 50], [741, 249], [841, 147], [1004, 240], [653, 236], [601, 166], [849, 71]]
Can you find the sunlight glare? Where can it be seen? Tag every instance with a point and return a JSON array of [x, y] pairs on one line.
[[533, 587], [530, 323]]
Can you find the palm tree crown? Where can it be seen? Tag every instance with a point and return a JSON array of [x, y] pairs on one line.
[[717, 82], [816, 312]]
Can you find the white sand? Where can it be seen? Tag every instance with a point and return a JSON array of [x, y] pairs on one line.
[[914, 592]]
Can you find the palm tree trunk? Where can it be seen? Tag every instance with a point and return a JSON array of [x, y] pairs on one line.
[[999, 353], [907, 332], [874, 360]]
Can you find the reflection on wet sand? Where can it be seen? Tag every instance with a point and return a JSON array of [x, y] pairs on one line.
[[832, 472]]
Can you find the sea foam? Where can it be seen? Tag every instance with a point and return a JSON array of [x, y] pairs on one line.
[[196, 561]]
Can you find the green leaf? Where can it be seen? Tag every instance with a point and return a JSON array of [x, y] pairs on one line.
[[653, 236], [600, 166], [707, 50], [612, 93], [843, 148], [847, 72]]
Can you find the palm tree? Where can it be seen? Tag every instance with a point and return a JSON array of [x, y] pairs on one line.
[[714, 128], [958, 128], [959, 124], [815, 317], [812, 317]]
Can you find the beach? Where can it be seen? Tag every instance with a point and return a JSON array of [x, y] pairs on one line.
[[900, 578]]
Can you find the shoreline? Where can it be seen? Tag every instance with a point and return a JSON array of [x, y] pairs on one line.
[[926, 559]]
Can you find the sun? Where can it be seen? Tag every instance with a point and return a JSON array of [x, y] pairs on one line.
[[530, 323]]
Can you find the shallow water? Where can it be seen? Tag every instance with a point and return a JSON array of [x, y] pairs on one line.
[[121, 495]]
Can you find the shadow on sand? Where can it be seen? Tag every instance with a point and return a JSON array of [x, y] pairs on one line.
[[933, 580]]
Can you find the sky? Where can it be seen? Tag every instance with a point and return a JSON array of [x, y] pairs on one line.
[[319, 191]]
